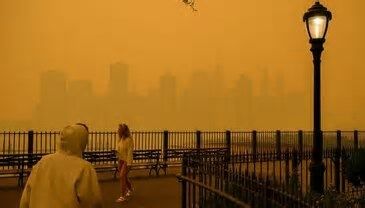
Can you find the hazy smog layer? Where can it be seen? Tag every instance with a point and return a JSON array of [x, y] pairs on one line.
[[159, 65]]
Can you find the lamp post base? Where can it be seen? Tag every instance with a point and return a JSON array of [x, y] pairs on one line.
[[317, 176]]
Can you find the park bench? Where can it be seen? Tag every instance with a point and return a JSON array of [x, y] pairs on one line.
[[20, 165], [17, 165], [149, 159], [103, 161], [172, 157], [106, 161], [10, 166]]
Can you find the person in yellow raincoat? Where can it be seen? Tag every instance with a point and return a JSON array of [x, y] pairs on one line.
[[125, 156], [64, 179]]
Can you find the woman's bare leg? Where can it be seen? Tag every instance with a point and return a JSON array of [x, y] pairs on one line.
[[123, 181], [128, 182]]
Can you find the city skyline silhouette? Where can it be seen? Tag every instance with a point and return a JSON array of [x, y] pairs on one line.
[[82, 38], [204, 102]]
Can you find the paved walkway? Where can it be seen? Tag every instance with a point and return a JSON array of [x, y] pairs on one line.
[[150, 192]]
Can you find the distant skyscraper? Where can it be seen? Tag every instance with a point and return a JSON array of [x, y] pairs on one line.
[[118, 80], [79, 100], [218, 101], [79, 89], [117, 104], [197, 100], [218, 80], [264, 85], [243, 98], [53, 87], [168, 95], [168, 89], [279, 85], [51, 109]]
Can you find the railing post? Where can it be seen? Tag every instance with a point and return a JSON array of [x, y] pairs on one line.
[[24, 158], [254, 144], [227, 156], [198, 139], [287, 170], [228, 142], [339, 140], [295, 175], [165, 145], [356, 139], [300, 142], [30, 148], [337, 160], [278, 144], [183, 182]]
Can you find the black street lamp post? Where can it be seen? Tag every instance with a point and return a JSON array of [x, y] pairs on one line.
[[317, 18]]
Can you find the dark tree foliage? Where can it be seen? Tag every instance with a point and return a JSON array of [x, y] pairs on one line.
[[355, 167]]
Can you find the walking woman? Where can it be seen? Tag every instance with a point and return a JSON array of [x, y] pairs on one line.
[[125, 156]]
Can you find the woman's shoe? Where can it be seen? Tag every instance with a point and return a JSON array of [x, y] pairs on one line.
[[121, 199], [129, 193]]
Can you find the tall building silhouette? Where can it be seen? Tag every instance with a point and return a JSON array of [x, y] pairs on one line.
[[279, 86], [118, 80], [264, 107], [168, 96], [204, 104], [218, 99], [197, 101], [51, 110], [279, 100], [264, 83], [117, 102], [53, 87], [80, 101], [242, 103]]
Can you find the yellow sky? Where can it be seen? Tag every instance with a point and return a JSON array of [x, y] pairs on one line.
[[82, 37]]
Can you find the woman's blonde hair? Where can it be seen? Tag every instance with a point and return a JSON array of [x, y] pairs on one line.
[[124, 131]]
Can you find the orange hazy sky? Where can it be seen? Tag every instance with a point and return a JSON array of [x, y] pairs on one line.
[[83, 37]]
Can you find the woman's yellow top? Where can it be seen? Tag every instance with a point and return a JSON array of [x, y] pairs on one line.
[[125, 150]]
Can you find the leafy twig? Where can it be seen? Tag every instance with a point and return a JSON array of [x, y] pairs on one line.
[[190, 3]]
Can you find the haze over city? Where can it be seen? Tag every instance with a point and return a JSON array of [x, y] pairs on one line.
[[159, 65]]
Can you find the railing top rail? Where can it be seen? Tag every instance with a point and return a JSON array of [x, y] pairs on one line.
[[241, 132], [184, 131], [46, 132], [13, 132], [348, 131]]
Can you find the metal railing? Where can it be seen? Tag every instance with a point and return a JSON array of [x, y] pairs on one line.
[[238, 142], [210, 197], [201, 174], [266, 179], [242, 142]]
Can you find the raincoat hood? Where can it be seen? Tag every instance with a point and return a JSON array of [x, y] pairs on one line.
[[73, 140]]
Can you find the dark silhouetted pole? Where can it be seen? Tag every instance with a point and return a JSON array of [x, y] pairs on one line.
[[198, 140], [337, 161], [165, 145], [317, 166], [30, 148], [228, 142], [356, 139]]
